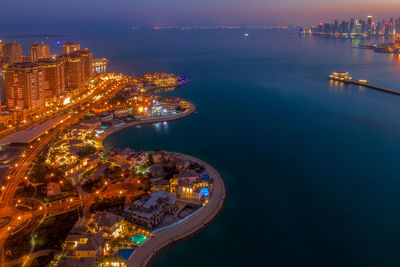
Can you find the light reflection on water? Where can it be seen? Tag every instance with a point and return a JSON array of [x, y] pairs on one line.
[[300, 155]]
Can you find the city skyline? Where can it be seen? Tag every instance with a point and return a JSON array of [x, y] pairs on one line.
[[65, 16]]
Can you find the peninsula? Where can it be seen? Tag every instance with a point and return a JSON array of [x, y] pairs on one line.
[[67, 200]]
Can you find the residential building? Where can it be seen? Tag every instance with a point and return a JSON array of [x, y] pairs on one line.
[[84, 245], [70, 47], [40, 51], [12, 53], [54, 73], [25, 86], [149, 211], [87, 63], [93, 123], [121, 113], [1, 51], [106, 116], [74, 72], [191, 188], [107, 223]]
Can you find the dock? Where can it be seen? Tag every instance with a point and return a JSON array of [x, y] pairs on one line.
[[346, 78]]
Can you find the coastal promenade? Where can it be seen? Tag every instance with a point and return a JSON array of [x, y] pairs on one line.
[[189, 227], [143, 255], [179, 116]]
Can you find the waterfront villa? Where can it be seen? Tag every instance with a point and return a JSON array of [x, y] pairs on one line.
[[148, 212]]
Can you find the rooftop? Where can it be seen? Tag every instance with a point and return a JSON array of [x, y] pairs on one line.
[[106, 219], [28, 135]]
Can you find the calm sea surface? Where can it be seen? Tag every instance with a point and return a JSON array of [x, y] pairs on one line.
[[312, 169]]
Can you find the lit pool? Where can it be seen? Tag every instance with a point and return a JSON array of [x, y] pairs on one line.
[[138, 238]]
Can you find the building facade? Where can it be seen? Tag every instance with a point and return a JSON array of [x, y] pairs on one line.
[[1, 51], [40, 51], [148, 212], [74, 72], [54, 72], [87, 62], [12, 53], [25, 86], [70, 47]]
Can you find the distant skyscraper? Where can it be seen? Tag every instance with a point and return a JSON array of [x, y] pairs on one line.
[[352, 25], [39, 51], [369, 24], [336, 26], [25, 86], [70, 47], [54, 73], [74, 72], [12, 53]]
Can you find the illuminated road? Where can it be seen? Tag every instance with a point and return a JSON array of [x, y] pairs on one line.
[[7, 208], [24, 260], [20, 218]]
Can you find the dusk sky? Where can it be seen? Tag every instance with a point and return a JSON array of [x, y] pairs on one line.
[[190, 12]]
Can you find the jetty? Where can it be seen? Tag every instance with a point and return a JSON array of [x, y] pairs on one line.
[[346, 78]]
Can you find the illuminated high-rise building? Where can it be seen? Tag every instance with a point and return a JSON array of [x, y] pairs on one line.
[[74, 72], [352, 25], [369, 24], [54, 73], [397, 41], [12, 53], [87, 62], [70, 47], [2, 88], [25, 86], [1, 51], [39, 51]]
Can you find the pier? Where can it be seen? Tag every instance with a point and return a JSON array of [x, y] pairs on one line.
[[346, 78]]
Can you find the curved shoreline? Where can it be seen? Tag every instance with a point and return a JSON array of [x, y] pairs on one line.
[[109, 132], [143, 255]]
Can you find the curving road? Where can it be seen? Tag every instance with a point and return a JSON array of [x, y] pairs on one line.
[[19, 218], [24, 260]]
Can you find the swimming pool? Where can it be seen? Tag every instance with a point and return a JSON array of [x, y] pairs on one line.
[[138, 238], [125, 253]]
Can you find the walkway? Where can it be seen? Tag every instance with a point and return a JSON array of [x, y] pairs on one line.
[[147, 121]]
